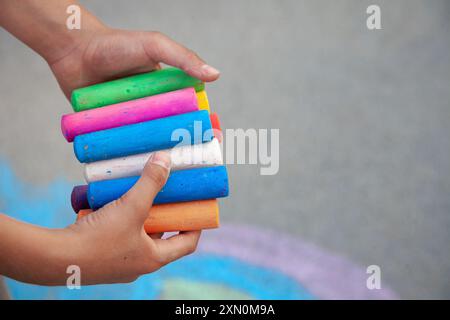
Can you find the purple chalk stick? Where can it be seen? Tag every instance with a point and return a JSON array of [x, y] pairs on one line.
[[79, 199], [129, 112]]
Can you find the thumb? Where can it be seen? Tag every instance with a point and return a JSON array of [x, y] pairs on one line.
[[163, 49], [154, 176]]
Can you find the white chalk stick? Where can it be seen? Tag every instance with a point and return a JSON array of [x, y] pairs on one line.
[[186, 157]]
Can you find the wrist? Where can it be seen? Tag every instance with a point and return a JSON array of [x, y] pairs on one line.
[[42, 25], [73, 42], [34, 254], [63, 250]]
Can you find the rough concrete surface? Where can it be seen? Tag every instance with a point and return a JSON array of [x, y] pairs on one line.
[[364, 121]]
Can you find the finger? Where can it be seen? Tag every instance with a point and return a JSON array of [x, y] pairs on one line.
[[153, 178], [177, 246], [163, 49], [128, 71]]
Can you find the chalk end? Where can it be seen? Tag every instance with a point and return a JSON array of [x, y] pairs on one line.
[[64, 126], [78, 198], [217, 214], [80, 149], [76, 148], [74, 101], [202, 100], [200, 86], [226, 188], [87, 172], [215, 124]]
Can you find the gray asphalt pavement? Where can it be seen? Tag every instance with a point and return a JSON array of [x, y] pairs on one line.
[[364, 121]]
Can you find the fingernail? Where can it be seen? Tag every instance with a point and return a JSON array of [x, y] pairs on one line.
[[210, 70], [161, 158]]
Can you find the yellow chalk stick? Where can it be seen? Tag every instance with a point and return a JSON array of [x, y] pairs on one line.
[[202, 99]]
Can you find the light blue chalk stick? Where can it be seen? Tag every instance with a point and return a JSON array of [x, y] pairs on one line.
[[184, 185], [143, 137]]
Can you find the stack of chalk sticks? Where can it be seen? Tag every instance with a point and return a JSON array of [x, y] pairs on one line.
[[116, 127]]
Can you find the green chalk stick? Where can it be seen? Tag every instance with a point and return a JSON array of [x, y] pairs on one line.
[[134, 87]]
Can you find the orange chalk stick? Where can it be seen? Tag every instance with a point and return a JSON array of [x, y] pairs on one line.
[[181, 216]]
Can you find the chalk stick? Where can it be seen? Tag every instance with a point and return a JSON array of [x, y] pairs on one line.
[[133, 111], [143, 137], [202, 100], [215, 123], [182, 216], [78, 198], [186, 157], [133, 87], [184, 185]]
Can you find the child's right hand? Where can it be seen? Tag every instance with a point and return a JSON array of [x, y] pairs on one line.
[[110, 245]]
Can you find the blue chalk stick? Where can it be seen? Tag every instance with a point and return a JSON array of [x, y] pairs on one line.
[[143, 137], [184, 185]]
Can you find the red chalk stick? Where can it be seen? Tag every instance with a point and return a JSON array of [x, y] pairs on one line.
[[215, 123]]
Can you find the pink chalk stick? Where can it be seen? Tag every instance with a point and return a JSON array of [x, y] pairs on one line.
[[129, 112]]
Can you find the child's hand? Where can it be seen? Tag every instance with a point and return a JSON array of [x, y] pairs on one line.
[[111, 53], [111, 243], [93, 53]]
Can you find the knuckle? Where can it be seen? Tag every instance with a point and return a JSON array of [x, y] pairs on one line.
[[125, 202], [157, 37], [137, 206], [191, 59], [148, 266], [157, 175], [192, 247], [118, 203], [156, 41], [154, 259], [151, 264], [192, 55]]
